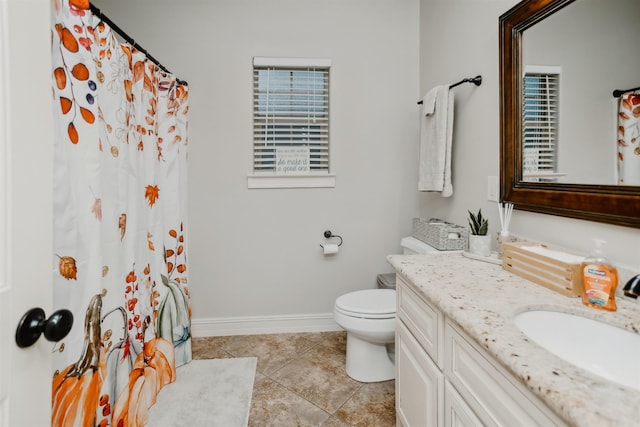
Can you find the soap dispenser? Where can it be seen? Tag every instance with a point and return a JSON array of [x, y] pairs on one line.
[[599, 279]]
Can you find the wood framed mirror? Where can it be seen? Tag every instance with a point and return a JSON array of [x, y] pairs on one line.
[[607, 203]]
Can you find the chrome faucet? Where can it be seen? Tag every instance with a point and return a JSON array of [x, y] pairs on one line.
[[632, 288]]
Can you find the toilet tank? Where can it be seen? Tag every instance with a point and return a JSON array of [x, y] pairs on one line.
[[411, 245]]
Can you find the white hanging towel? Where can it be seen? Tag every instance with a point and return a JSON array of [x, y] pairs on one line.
[[436, 131]]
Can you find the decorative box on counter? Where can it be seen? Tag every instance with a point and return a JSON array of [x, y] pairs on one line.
[[553, 268], [440, 234]]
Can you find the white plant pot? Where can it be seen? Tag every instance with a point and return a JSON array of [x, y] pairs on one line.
[[480, 245]]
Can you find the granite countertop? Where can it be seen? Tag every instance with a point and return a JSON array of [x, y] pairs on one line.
[[483, 300]]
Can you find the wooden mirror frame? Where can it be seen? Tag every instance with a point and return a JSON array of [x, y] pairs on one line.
[[610, 204]]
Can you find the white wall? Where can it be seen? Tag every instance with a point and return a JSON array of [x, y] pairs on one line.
[[459, 38], [256, 252]]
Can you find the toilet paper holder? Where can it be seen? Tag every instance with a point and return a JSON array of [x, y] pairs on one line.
[[329, 235]]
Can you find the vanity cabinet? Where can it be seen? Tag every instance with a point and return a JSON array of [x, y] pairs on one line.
[[444, 378]]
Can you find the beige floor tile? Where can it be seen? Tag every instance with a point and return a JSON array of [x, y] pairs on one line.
[[301, 381], [334, 340], [209, 348], [319, 376], [274, 405], [334, 422], [372, 405], [319, 336], [273, 351]]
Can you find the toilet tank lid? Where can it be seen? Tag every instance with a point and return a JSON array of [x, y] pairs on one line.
[[416, 245]]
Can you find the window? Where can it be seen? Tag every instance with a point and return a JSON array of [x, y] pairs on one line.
[[540, 124], [290, 123]]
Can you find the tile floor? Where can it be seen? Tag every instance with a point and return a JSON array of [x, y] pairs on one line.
[[301, 381]]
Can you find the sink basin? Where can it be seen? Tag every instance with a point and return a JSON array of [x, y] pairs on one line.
[[597, 347]]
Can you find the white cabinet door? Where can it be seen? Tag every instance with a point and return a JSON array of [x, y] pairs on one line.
[[419, 384], [456, 411]]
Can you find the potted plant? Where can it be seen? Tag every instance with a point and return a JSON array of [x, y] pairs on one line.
[[479, 240]]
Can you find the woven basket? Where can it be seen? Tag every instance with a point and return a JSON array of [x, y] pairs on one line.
[[440, 234]]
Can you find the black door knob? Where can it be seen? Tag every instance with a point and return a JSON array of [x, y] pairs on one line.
[[33, 324]]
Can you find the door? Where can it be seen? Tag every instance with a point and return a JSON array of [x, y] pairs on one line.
[[456, 411], [419, 383], [26, 153]]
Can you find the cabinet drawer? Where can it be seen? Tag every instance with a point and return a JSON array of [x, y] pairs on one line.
[[489, 390], [424, 321]]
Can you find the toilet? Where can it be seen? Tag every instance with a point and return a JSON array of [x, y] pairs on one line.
[[369, 317]]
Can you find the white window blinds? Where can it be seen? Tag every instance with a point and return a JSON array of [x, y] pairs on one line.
[[290, 116], [540, 124]]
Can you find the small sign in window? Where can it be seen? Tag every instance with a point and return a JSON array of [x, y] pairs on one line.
[[292, 160]]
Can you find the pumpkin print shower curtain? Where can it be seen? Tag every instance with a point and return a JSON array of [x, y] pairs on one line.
[[120, 230], [629, 139]]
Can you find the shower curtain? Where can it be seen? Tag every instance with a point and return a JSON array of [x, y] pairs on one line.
[[628, 139], [120, 223]]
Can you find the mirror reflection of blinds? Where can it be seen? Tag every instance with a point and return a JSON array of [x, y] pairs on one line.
[[540, 123], [290, 109]]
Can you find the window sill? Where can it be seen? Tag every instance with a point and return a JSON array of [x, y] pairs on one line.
[[291, 181]]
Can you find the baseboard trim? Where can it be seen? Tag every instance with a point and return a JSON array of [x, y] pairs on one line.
[[253, 325]]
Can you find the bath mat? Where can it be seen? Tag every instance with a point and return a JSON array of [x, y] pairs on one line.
[[213, 392]]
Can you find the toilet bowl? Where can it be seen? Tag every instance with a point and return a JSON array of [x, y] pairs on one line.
[[369, 317]]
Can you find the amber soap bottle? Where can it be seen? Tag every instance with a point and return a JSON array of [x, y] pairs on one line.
[[599, 279]]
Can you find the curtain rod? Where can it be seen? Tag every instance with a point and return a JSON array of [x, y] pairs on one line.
[[477, 80], [619, 92], [129, 40]]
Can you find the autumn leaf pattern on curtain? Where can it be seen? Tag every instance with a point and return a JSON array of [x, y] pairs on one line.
[[120, 230], [629, 139]]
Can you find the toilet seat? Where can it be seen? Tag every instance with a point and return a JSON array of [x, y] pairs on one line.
[[368, 304]]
